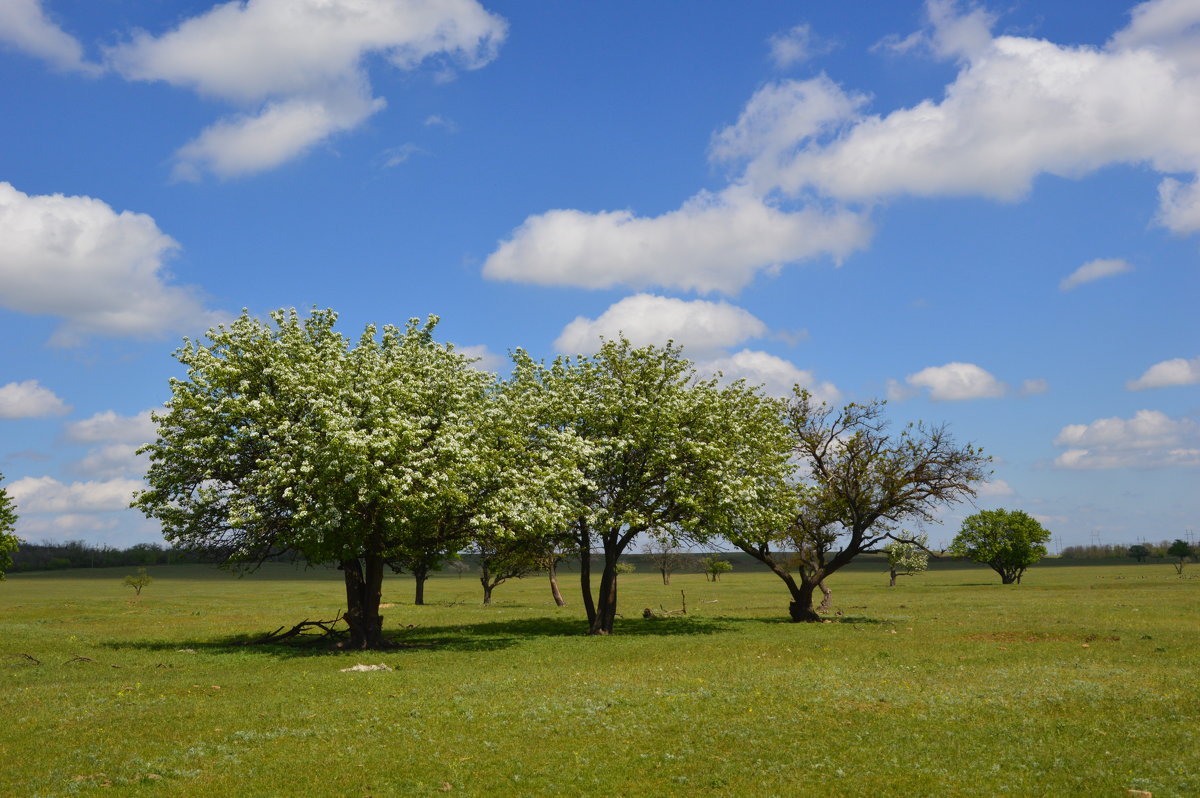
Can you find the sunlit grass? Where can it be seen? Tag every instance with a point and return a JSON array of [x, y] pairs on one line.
[[1082, 681]]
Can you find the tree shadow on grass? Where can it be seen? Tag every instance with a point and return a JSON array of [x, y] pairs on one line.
[[478, 637]]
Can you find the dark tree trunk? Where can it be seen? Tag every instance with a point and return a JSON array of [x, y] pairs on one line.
[[554, 591], [364, 589], [487, 593], [606, 604], [892, 583], [801, 609], [666, 576], [420, 574], [585, 582]]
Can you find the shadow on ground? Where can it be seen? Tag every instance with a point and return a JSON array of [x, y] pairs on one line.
[[490, 636]]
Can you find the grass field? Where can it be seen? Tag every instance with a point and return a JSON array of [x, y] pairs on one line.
[[1082, 681]]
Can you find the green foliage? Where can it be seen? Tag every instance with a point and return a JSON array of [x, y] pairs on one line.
[[138, 581], [907, 556], [625, 568], [1181, 550], [667, 452], [1138, 552], [1008, 541], [8, 521], [713, 565]]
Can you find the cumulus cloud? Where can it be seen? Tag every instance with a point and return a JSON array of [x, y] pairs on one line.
[[485, 359], [297, 68], [955, 381], [1094, 270], [700, 326], [40, 495], [993, 489], [774, 374], [795, 46], [1018, 108], [1176, 371], [29, 399], [1151, 439], [110, 427], [714, 242], [100, 270], [25, 26]]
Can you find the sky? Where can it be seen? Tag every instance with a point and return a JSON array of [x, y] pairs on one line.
[[986, 214]]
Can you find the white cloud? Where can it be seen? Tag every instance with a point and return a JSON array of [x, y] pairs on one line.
[[714, 242], [486, 359], [1094, 270], [1034, 386], [100, 270], [39, 495], [795, 46], [774, 374], [109, 427], [1018, 108], [25, 26], [955, 381], [993, 489], [29, 399], [1150, 439], [1176, 371], [111, 461], [297, 66], [700, 326]]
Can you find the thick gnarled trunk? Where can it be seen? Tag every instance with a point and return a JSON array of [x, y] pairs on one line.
[[364, 590]]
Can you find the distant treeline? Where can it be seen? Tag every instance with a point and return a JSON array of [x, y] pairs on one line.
[[1106, 551], [78, 554]]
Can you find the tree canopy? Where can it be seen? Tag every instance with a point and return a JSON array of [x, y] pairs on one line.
[[1009, 541], [8, 522], [667, 452], [286, 437], [855, 481]]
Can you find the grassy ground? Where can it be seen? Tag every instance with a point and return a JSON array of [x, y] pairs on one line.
[[1082, 681]]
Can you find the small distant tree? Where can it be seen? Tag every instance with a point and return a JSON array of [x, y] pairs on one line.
[[1009, 541], [625, 568], [713, 566], [503, 557], [555, 551], [1180, 550], [666, 554], [138, 581], [8, 521], [1139, 552], [906, 557]]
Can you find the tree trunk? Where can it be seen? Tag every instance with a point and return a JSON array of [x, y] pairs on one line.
[[420, 574], [666, 576], [892, 583], [826, 597], [606, 605], [554, 591], [364, 589], [585, 582], [801, 608], [487, 593]]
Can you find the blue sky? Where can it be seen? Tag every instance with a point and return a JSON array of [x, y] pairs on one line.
[[986, 213]]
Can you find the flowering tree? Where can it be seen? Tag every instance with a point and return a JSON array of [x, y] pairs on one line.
[[285, 437], [906, 556], [8, 520], [665, 453]]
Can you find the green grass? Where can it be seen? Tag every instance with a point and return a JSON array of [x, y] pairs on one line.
[[1082, 681]]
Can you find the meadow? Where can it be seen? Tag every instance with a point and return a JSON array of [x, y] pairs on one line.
[[1081, 681]]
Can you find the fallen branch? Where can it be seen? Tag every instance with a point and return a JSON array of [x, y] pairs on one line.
[[300, 630], [29, 657]]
